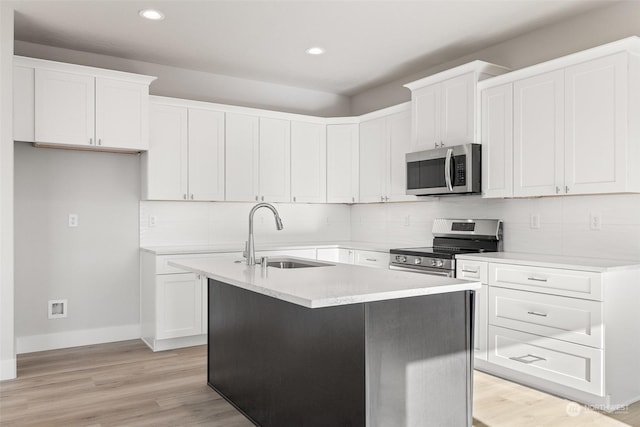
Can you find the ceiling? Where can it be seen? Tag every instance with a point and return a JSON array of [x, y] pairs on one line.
[[367, 43]]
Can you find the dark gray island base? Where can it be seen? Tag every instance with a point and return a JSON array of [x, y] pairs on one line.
[[400, 362]]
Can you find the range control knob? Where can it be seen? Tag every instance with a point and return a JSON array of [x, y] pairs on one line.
[[439, 263], [417, 261], [401, 258], [433, 263]]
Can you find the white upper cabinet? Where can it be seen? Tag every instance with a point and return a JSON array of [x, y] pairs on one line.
[[443, 106], [497, 141], [572, 126], [206, 154], [122, 114], [275, 160], [308, 162], [241, 161], [258, 159], [165, 165], [384, 141], [538, 125], [185, 160], [596, 139], [343, 163], [64, 108], [80, 107]]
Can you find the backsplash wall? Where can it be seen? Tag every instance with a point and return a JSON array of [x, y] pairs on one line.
[[205, 223], [564, 223]]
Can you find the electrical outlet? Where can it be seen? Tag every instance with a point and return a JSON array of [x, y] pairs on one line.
[[534, 221], [595, 221], [73, 220], [153, 220]]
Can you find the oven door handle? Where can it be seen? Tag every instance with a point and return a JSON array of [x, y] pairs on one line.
[[447, 169], [424, 270]]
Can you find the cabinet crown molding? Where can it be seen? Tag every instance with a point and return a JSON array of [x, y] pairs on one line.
[[629, 44], [23, 61], [477, 66]]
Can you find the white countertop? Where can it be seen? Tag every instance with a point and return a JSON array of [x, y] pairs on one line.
[[554, 261], [239, 246], [327, 286]]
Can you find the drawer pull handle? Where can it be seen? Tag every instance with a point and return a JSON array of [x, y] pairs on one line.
[[528, 358], [470, 271], [371, 259], [535, 279], [535, 313]]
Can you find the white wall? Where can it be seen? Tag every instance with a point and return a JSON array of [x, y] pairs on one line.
[[200, 86], [564, 223], [95, 265], [581, 32], [7, 343], [202, 223]]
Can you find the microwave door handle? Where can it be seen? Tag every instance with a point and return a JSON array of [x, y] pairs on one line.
[[447, 169]]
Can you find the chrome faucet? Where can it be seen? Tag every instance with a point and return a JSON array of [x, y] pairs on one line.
[[249, 248]]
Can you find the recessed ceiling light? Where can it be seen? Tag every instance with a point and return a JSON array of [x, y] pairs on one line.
[[154, 15], [316, 50]]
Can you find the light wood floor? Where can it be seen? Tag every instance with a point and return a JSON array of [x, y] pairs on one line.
[[125, 384]]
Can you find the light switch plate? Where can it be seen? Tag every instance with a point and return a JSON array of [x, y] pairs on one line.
[[595, 221], [534, 221]]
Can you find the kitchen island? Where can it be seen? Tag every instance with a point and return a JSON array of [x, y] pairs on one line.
[[338, 344]]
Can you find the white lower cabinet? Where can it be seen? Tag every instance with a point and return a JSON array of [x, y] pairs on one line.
[[569, 331], [371, 258], [173, 303], [342, 255], [179, 305]]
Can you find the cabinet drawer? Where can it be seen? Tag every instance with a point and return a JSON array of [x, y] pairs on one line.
[[571, 283], [569, 319], [572, 365], [472, 270], [372, 259]]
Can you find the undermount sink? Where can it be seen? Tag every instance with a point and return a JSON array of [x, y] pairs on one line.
[[294, 263]]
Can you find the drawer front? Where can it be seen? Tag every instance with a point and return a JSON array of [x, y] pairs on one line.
[[300, 253], [572, 365], [569, 319], [163, 267], [372, 259], [571, 283], [472, 270]]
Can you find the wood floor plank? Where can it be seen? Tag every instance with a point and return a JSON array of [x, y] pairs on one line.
[[126, 384]]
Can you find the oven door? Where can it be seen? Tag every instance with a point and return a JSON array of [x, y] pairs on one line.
[[447, 170], [425, 270]]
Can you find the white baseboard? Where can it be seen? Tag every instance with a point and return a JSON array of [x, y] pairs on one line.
[[33, 343], [8, 369]]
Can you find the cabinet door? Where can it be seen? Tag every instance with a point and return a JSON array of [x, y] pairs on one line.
[[275, 160], [342, 163], [538, 149], [179, 305], [206, 155], [426, 117], [122, 114], [23, 107], [497, 141], [241, 158], [64, 108], [373, 160], [596, 124], [308, 162], [399, 131], [165, 164], [458, 106]]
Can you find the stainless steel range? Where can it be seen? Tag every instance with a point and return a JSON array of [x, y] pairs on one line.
[[451, 237]]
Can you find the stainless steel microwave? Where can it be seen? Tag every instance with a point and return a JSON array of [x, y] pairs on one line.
[[446, 170]]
